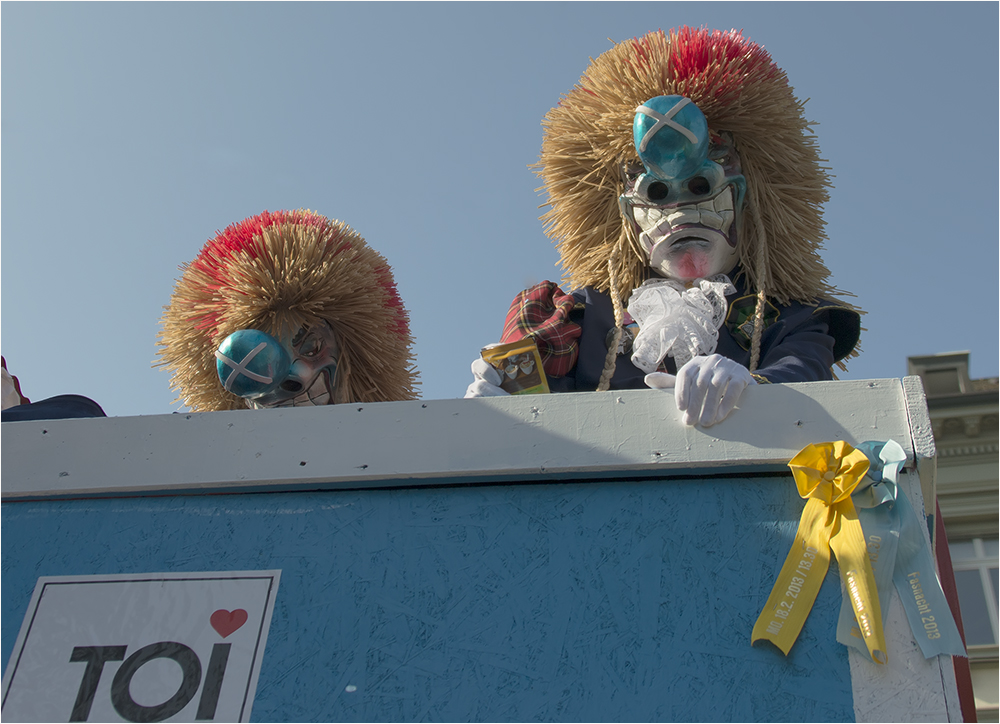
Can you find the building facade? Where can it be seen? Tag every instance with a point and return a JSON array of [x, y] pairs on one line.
[[963, 415]]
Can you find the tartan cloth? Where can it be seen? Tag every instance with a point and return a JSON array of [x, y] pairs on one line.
[[542, 313]]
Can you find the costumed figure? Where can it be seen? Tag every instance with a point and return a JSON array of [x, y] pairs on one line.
[[685, 193], [287, 309]]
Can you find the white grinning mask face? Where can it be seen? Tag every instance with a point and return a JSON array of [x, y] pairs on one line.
[[686, 197], [312, 377], [690, 241], [267, 372]]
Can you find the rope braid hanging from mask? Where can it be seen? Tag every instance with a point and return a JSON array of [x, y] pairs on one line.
[[588, 143]]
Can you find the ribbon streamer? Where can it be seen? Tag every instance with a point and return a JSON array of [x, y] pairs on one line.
[[899, 553], [826, 474]]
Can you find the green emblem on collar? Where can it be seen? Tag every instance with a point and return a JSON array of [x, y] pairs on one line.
[[739, 320]]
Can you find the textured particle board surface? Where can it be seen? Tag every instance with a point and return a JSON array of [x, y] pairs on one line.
[[630, 601], [593, 573]]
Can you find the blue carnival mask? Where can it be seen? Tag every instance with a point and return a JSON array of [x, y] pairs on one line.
[[268, 373], [687, 198]]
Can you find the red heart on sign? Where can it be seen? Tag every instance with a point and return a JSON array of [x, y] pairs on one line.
[[225, 622]]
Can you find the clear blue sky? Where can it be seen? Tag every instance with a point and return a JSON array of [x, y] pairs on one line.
[[131, 132]]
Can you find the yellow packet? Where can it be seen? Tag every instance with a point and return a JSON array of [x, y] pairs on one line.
[[519, 365]]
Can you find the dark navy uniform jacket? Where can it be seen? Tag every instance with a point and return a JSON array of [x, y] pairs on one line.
[[800, 343], [59, 407]]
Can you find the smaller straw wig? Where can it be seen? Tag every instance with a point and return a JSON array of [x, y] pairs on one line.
[[276, 272]]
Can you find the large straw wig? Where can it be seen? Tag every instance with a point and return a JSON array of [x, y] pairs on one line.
[[277, 272], [588, 139]]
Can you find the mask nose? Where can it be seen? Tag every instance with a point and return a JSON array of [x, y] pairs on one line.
[[671, 136], [251, 363], [296, 378]]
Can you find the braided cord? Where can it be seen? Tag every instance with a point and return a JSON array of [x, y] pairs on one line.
[[761, 277], [611, 360]]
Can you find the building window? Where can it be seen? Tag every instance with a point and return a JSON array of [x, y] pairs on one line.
[[975, 564]]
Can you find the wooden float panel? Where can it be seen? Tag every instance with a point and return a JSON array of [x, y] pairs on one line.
[[618, 596]]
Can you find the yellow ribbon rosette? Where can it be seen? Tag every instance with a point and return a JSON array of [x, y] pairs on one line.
[[826, 474]]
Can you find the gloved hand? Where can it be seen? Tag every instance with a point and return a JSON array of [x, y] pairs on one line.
[[10, 396], [708, 389], [486, 382]]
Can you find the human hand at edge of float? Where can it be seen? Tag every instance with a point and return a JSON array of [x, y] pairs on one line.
[[708, 389], [10, 396], [487, 381]]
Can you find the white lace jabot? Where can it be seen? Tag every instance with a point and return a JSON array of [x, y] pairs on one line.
[[677, 322]]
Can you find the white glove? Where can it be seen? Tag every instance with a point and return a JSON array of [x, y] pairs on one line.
[[487, 382], [708, 389], [10, 398]]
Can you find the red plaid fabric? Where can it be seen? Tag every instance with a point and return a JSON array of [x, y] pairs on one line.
[[542, 313]]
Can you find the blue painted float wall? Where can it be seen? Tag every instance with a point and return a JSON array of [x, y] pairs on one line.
[[616, 601]]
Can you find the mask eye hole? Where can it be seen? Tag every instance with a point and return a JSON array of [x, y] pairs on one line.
[[699, 185], [632, 171], [311, 347], [657, 191]]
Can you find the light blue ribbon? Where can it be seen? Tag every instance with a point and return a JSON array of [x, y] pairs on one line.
[[899, 553]]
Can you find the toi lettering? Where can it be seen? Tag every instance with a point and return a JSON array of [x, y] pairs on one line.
[[121, 698]]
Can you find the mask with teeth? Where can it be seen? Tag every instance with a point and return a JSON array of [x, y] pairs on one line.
[[268, 372], [685, 199], [312, 376], [287, 309]]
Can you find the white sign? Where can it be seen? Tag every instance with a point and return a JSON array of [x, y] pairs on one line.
[[145, 647]]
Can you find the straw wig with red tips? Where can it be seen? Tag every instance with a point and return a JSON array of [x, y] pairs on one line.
[[278, 272], [588, 140]]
